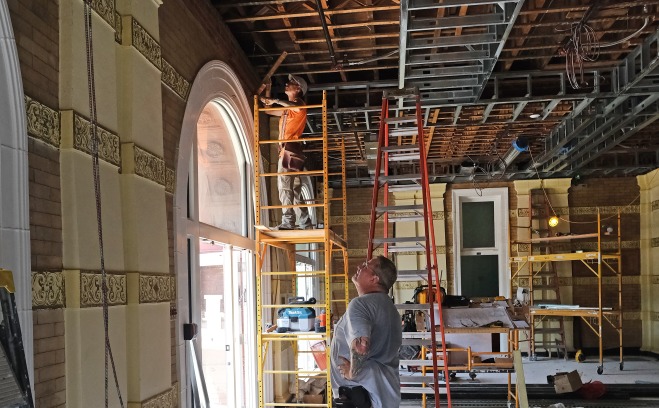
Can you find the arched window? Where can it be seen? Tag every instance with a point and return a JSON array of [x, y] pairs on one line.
[[214, 250]]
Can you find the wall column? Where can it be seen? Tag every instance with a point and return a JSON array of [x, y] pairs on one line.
[[143, 204], [649, 214]]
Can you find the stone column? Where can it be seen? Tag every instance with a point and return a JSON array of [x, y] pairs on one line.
[[83, 316], [649, 213]]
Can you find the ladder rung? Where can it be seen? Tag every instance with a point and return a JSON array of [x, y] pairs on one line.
[[402, 148], [401, 177], [400, 119], [409, 218], [390, 208], [405, 187], [403, 132], [416, 248], [396, 240], [403, 157], [413, 272]]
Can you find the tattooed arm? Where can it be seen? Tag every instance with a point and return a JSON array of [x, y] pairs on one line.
[[358, 354]]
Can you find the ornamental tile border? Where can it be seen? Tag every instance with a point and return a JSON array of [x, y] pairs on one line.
[[91, 293], [149, 166], [607, 280], [118, 27], [358, 219], [174, 80], [105, 9], [654, 242], [167, 399], [43, 122], [48, 290], [631, 315], [655, 280], [655, 205], [155, 288], [654, 317], [605, 210], [109, 144], [607, 246], [170, 180], [146, 44]]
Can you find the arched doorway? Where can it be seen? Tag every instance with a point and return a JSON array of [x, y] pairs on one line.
[[214, 247]]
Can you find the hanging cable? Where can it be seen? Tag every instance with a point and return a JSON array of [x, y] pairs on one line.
[[93, 121], [542, 186], [583, 46]]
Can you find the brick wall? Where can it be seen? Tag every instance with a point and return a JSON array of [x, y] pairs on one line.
[[605, 193], [49, 359], [36, 29], [45, 206]]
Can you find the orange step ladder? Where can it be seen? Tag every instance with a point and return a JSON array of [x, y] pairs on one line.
[[401, 139]]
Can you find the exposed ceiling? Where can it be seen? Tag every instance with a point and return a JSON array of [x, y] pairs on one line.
[[489, 73]]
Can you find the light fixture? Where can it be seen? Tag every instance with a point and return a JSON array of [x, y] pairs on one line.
[[534, 115], [553, 221], [608, 230]]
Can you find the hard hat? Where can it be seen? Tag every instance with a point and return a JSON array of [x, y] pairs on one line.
[[299, 81]]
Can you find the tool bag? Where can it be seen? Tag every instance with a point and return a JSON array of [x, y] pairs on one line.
[[301, 318], [292, 157]]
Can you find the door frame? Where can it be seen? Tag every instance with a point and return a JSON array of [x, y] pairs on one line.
[[499, 196]]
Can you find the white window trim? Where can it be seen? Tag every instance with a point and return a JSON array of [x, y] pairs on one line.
[[217, 82], [14, 185], [500, 198]]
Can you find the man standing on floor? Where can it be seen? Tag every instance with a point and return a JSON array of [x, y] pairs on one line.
[[291, 125], [364, 350]]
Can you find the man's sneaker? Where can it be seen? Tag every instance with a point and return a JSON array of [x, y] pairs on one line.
[[283, 227]]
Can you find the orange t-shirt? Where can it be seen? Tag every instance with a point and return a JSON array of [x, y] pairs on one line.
[[291, 124]]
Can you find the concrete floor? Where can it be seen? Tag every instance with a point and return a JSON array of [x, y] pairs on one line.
[[637, 385]]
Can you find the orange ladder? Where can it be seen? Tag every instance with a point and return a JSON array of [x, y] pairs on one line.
[[401, 140]]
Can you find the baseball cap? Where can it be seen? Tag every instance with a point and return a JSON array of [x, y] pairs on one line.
[[300, 81]]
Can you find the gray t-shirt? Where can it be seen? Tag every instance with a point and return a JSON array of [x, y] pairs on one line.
[[374, 316]]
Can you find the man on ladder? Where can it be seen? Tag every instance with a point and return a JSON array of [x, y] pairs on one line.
[[291, 125]]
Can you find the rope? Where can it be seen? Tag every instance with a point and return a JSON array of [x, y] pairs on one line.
[[91, 86]]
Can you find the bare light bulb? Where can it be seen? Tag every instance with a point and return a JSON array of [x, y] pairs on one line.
[[553, 221]]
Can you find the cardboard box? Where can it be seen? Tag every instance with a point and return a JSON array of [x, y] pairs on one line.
[[567, 382], [313, 399]]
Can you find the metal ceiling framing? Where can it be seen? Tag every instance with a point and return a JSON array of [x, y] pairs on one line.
[[489, 72]]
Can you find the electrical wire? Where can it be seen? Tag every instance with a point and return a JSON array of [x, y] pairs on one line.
[[542, 186], [93, 127], [583, 46]]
